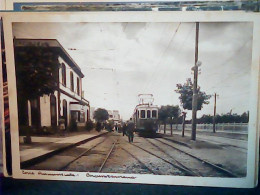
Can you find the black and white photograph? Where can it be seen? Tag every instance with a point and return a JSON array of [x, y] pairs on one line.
[[133, 98]]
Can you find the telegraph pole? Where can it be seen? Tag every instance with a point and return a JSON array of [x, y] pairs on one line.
[[214, 117], [183, 123], [195, 86]]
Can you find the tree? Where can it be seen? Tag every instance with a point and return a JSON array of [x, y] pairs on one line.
[[168, 114], [225, 118], [101, 115], [89, 125], [205, 119], [36, 75], [36, 71], [186, 93], [245, 117]]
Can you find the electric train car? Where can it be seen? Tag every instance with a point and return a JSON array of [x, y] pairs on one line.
[[145, 118]]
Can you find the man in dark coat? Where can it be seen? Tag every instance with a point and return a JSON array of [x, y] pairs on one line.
[[124, 129], [130, 131]]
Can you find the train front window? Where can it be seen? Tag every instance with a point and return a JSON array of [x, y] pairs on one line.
[[142, 113], [148, 114], [154, 114]]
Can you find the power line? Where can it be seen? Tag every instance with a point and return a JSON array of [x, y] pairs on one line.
[[231, 96], [164, 52], [231, 57], [229, 78]]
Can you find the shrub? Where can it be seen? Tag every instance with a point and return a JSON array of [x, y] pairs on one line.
[[109, 126], [98, 126], [89, 125]]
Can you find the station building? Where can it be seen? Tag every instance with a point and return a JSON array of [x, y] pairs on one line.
[[68, 100]]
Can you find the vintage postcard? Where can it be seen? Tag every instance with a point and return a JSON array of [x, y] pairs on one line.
[[134, 97], [128, 5]]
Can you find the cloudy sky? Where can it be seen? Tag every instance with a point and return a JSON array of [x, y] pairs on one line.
[[122, 60]]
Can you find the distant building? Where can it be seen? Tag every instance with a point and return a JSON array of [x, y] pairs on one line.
[[114, 116], [67, 101]]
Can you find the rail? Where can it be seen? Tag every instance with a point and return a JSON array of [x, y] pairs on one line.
[[216, 167]]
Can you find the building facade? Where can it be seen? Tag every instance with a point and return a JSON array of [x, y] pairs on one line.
[[114, 116], [67, 102]]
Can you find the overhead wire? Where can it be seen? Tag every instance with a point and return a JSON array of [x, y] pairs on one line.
[[160, 59]]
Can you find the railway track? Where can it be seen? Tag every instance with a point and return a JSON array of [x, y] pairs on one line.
[[181, 168], [88, 150], [174, 159], [82, 154], [108, 155], [212, 165], [140, 162]]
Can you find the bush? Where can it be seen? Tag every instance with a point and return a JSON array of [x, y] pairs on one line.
[[73, 125], [109, 125], [98, 126], [89, 125]]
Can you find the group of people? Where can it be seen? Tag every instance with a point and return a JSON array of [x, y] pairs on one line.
[[128, 130]]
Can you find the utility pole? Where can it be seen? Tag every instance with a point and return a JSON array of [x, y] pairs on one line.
[[214, 117], [195, 86], [183, 122]]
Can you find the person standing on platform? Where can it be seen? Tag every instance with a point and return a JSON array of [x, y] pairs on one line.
[[116, 127], [130, 131], [124, 129]]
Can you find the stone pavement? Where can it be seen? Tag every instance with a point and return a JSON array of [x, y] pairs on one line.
[[43, 147]]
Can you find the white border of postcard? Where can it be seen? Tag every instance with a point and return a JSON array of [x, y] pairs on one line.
[[252, 161]]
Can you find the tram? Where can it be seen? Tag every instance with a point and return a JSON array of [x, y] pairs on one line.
[[145, 116]]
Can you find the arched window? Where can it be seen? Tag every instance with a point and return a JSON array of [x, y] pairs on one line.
[[71, 81], [53, 111], [63, 74], [78, 86]]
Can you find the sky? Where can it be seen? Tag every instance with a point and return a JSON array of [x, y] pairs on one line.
[[122, 60]]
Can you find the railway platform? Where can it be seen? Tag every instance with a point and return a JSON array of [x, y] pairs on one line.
[[44, 147]]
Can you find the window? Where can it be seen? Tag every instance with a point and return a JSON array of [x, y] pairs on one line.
[[82, 117], [71, 81], [154, 114], [142, 113], [148, 113], [53, 109], [78, 85], [65, 111], [75, 115], [63, 74]]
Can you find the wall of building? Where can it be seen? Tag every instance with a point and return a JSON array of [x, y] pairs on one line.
[[67, 88], [46, 110]]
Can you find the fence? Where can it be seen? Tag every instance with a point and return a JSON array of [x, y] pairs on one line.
[[209, 127]]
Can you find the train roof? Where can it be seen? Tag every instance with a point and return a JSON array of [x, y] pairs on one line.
[[146, 106]]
